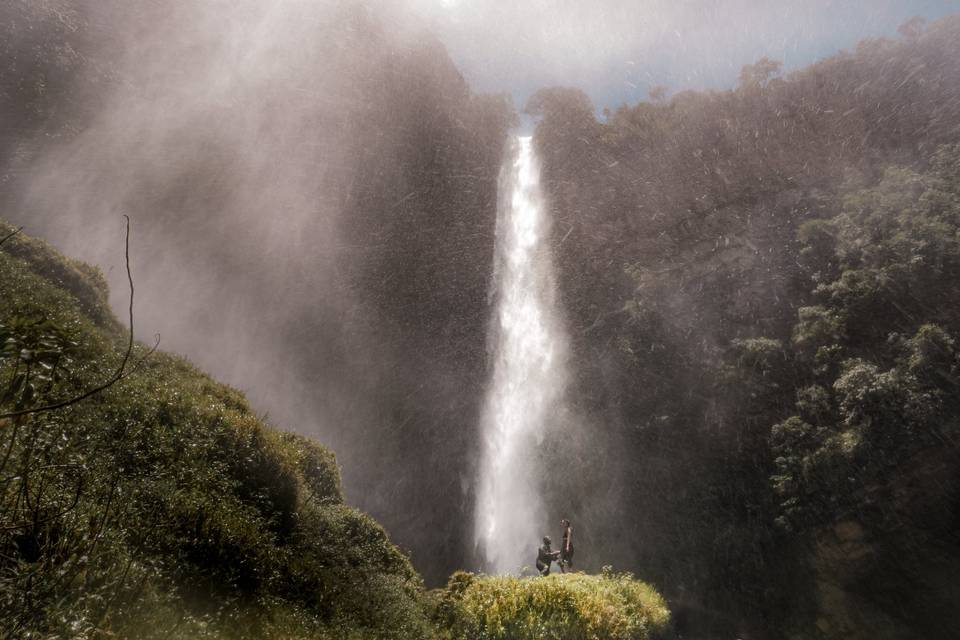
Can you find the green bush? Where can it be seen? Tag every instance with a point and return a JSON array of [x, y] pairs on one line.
[[558, 607], [85, 283], [163, 507], [318, 467]]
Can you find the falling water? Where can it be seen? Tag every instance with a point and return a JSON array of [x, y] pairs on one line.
[[528, 372]]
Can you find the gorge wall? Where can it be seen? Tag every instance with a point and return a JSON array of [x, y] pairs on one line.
[[692, 234]]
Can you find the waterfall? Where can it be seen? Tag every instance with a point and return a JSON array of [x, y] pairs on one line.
[[526, 390]]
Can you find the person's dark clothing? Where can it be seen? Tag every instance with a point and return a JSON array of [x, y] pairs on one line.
[[566, 549], [545, 555]]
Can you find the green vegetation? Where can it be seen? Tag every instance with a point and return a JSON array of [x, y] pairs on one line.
[[762, 291], [164, 507], [559, 607], [878, 353]]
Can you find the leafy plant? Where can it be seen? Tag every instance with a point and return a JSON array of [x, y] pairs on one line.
[[609, 606]]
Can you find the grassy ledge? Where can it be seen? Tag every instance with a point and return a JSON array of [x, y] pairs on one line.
[[610, 606]]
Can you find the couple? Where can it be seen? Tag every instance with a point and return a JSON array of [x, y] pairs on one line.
[[564, 557]]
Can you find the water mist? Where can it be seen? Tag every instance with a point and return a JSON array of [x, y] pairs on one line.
[[526, 390]]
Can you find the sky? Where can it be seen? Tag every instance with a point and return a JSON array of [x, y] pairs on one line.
[[616, 50]]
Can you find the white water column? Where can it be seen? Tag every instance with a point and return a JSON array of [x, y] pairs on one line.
[[525, 395]]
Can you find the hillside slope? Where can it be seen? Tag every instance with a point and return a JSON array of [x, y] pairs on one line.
[[163, 507]]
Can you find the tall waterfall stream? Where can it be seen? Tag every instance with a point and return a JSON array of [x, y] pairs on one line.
[[526, 390]]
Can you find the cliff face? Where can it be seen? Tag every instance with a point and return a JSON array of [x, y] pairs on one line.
[[314, 189], [687, 233], [424, 211]]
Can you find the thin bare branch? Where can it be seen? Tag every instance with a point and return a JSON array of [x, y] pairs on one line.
[[8, 236], [37, 522], [121, 371]]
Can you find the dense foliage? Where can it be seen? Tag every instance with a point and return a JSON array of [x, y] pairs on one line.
[[761, 288], [559, 607], [875, 361], [164, 507]]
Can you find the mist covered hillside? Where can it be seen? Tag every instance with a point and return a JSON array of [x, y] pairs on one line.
[[314, 189]]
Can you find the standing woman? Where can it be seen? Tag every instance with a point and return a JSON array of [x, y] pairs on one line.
[[566, 547]]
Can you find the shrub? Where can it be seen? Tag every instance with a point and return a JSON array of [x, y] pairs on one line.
[[317, 465], [558, 607], [163, 507]]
